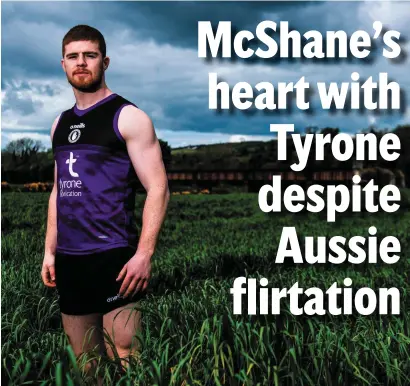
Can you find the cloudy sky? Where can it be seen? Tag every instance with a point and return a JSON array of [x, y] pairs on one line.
[[155, 64]]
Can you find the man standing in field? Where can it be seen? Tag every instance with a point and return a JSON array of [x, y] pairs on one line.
[[100, 146]]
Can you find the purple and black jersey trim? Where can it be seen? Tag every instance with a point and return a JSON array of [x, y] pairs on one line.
[[80, 113], [95, 180]]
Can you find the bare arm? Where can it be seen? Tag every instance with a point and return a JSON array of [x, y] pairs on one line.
[[145, 154], [47, 272], [51, 233]]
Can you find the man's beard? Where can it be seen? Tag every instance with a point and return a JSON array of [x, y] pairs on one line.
[[87, 86]]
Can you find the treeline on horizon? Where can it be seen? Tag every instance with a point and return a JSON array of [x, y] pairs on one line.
[[25, 160]]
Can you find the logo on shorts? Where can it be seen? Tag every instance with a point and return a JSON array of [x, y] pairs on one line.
[[114, 298]]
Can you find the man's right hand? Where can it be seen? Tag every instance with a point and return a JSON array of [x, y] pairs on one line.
[[47, 271]]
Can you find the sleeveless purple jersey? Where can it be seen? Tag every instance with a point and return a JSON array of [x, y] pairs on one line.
[[96, 180]]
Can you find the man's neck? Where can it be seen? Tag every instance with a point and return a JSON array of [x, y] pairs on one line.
[[85, 100]]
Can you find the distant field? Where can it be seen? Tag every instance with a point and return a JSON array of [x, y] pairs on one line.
[[191, 336], [184, 151]]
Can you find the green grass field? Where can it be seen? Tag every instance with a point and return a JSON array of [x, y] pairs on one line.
[[190, 335]]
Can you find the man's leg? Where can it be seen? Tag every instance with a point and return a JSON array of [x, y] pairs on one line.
[[85, 334], [122, 324]]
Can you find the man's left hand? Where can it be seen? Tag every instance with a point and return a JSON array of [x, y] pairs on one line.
[[137, 273]]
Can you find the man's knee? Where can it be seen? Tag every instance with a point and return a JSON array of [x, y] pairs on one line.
[[123, 347], [121, 327], [120, 349]]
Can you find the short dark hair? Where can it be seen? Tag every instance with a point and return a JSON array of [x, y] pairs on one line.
[[85, 32]]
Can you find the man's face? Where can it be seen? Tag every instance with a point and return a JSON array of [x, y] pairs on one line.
[[84, 65]]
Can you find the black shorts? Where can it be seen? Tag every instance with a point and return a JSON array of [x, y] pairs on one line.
[[87, 284]]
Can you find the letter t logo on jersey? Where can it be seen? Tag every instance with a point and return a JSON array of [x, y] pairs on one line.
[[70, 162]]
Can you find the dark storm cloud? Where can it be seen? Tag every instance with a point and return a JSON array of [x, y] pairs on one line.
[[154, 62], [170, 22], [176, 23], [26, 26]]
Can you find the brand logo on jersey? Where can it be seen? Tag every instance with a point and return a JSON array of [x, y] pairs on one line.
[[114, 298], [70, 161], [74, 136], [80, 126]]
